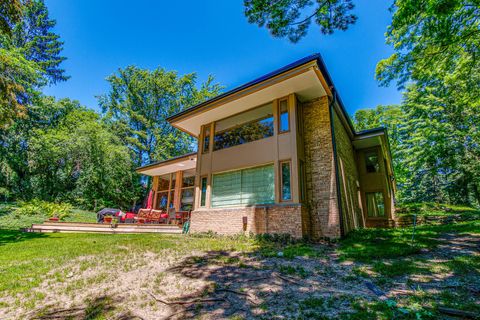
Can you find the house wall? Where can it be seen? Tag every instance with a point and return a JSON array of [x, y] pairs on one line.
[[350, 195], [321, 187], [278, 219], [376, 182]]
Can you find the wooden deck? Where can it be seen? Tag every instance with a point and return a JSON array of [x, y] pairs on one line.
[[83, 227]]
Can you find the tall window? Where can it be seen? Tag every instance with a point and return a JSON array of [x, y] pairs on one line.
[[244, 187], [283, 116], [245, 127], [206, 139], [371, 162], [203, 196], [187, 191], [303, 187], [166, 188], [375, 204], [286, 193]]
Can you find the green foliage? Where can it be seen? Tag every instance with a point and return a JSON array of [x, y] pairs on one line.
[[140, 100], [285, 18], [429, 38], [64, 152], [29, 56], [43, 208]]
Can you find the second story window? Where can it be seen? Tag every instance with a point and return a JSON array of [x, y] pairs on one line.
[[206, 139], [244, 127], [371, 162], [283, 116]]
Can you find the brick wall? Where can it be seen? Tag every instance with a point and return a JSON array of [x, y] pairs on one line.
[[348, 178], [320, 178], [260, 219]]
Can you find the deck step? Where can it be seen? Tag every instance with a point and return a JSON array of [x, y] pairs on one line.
[[102, 228]]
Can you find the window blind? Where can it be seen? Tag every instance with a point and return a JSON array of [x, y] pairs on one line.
[[244, 187]]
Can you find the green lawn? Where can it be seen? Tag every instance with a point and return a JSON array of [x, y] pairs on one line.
[[440, 267], [9, 219]]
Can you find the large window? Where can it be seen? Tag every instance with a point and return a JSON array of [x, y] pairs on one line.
[[245, 127], [206, 139], [371, 162], [286, 189], [375, 204], [283, 116], [244, 187], [165, 187], [187, 191], [203, 195]]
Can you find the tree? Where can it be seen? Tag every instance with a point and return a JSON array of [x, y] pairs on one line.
[[10, 13], [436, 58], [140, 100], [429, 37], [34, 35], [285, 18], [29, 56], [81, 161]]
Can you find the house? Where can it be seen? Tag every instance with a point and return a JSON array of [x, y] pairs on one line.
[[278, 154]]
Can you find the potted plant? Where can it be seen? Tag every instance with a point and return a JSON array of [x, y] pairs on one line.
[[107, 219], [54, 218]]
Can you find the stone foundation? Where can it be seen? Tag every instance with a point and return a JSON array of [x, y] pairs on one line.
[[280, 219]]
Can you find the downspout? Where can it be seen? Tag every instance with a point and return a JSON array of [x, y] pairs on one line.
[[335, 158]]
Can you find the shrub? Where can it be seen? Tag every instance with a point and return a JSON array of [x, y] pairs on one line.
[[43, 208]]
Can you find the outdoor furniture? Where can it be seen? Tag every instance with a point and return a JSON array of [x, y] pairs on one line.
[[142, 215]]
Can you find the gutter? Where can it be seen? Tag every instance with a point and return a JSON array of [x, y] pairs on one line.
[[335, 158]]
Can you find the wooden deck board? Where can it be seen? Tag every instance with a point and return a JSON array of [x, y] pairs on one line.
[[69, 227]]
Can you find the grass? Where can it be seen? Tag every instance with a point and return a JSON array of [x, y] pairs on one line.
[[385, 257], [437, 209], [9, 219], [367, 245]]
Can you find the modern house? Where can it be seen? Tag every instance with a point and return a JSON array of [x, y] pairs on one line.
[[278, 154]]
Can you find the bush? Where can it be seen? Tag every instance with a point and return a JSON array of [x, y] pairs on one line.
[[43, 208]]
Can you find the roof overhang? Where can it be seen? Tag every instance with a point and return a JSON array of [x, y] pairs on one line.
[[185, 162], [307, 78]]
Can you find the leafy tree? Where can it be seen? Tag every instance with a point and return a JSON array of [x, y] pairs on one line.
[[292, 18], [429, 38], [29, 56], [140, 100], [10, 13], [34, 35], [82, 161]]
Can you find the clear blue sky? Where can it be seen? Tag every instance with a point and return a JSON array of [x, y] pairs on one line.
[[210, 37]]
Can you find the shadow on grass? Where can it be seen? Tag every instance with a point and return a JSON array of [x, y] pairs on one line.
[[97, 308], [11, 236]]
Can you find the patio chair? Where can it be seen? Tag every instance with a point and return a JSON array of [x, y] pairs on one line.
[[155, 216], [142, 215]]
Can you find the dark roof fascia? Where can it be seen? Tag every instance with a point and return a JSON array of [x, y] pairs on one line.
[[265, 77], [188, 155]]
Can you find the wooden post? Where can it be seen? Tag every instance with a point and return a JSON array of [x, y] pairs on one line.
[[178, 190]]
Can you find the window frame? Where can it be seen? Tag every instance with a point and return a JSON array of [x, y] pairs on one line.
[[279, 122], [203, 193], [281, 163], [242, 205], [214, 133], [384, 204], [168, 191], [204, 135], [372, 151]]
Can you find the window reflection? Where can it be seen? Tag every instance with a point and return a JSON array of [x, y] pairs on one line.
[[246, 127]]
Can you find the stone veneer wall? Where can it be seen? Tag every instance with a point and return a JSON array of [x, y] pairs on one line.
[[348, 177], [320, 178], [260, 219]]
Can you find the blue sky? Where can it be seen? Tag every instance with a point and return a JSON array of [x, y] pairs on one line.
[[210, 37]]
